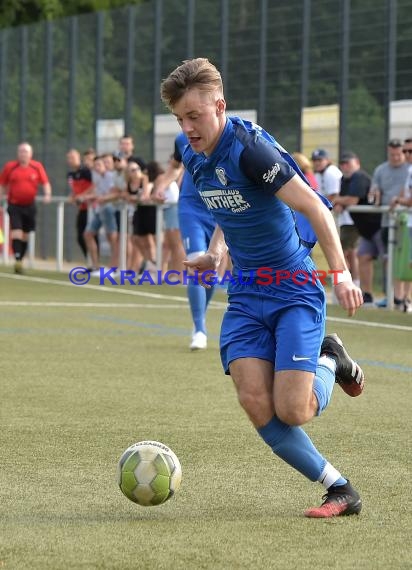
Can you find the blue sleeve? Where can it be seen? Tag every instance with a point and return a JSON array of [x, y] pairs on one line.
[[181, 143], [262, 163], [177, 155]]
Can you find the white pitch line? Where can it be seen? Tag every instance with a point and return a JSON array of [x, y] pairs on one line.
[[369, 324], [103, 288], [212, 305], [86, 305], [108, 289]]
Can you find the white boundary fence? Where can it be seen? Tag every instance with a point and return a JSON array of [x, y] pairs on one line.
[[61, 201]]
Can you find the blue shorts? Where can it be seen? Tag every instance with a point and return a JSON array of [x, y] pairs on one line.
[[105, 216], [284, 323], [195, 230], [170, 217]]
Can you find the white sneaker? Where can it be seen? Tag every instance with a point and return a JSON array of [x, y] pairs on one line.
[[199, 341]]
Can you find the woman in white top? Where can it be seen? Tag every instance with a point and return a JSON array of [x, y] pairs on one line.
[[172, 248]]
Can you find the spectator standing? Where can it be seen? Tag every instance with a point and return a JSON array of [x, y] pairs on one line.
[[172, 248], [387, 182], [126, 148], [20, 179], [144, 218], [405, 199], [79, 180], [102, 213], [355, 185], [88, 158], [328, 176]]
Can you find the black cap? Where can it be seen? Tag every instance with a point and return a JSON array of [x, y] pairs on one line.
[[347, 156], [319, 153]]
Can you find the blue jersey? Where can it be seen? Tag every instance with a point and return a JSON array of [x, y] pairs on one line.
[[238, 183], [190, 203]]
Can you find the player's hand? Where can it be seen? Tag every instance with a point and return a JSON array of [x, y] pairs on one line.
[[349, 296], [205, 267], [46, 199]]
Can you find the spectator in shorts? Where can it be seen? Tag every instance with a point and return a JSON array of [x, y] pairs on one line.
[[144, 218], [172, 249], [354, 191], [20, 179], [79, 180], [405, 199], [103, 213], [352, 187], [387, 182]]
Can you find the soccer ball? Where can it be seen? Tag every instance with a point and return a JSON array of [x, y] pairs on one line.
[[149, 473]]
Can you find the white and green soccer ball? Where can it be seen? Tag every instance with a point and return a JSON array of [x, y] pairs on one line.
[[149, 473]]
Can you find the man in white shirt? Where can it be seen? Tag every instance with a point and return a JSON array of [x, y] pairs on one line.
[[327, 175], [329, 179]]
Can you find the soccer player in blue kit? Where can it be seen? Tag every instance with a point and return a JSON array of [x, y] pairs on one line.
[[196, 226], [272, 338]]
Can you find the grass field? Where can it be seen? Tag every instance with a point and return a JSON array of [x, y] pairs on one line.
[[86, 371]]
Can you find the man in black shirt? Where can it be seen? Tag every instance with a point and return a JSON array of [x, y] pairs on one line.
[[126, 149], [355, 186]]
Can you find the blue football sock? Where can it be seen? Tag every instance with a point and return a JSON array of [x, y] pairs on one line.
[[197, 300], [294, 446], [324, 381]]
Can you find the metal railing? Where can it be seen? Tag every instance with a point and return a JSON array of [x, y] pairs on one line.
[[61, 201]]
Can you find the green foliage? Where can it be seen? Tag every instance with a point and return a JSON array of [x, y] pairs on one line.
[[366, 125], [19, 12]]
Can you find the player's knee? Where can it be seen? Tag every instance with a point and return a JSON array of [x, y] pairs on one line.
[[293, 415], [253, 401]]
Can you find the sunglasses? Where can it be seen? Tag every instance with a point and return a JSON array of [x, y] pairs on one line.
[[407, 151]]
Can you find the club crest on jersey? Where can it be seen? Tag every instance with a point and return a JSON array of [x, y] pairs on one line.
[[221, 174]]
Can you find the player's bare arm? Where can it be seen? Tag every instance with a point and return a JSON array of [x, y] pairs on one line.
[[301, 198], [210, 260]]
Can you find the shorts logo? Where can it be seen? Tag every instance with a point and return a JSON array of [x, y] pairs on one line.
[[221, 174], [298, 358], [270, 175]]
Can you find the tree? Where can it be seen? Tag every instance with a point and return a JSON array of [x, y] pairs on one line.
[[20, 12]]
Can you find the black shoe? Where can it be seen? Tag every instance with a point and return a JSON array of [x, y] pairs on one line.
[[349, 375], [367, 298], [339, 501]]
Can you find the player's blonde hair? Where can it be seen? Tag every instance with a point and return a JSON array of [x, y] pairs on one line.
[[198, 72]]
